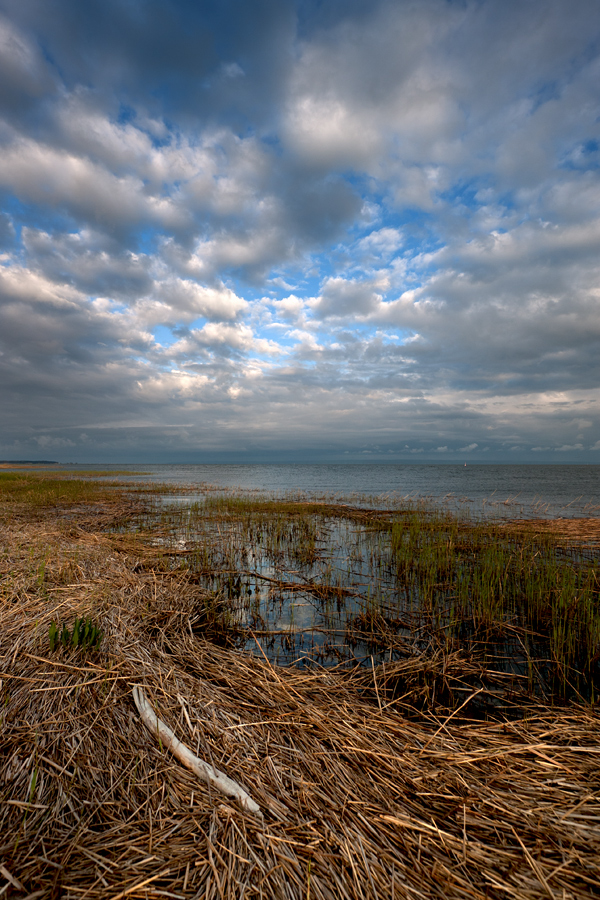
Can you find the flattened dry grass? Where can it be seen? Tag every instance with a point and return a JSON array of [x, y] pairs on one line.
[[582, 531], [361, 797]]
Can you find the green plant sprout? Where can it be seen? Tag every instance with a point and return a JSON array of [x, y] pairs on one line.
[[84, 634]]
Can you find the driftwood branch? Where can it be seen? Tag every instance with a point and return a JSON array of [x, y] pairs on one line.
[[203, 770]]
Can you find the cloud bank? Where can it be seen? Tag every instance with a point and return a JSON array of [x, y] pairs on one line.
[[300, 231]]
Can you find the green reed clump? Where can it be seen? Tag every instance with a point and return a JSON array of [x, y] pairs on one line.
[[84, 634], [481, 578], [225, 531], [242, 504]]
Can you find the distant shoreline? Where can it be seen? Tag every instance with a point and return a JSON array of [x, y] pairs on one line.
[[11, 463]]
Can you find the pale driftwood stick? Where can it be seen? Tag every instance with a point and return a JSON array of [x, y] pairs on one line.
[[203, 770]]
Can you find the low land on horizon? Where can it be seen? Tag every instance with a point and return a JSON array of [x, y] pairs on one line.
[[28, 462]]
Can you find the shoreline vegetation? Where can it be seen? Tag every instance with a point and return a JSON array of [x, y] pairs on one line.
[[441, 737]]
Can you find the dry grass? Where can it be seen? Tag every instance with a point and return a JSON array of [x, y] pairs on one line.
[[363, 796], [584, 531]]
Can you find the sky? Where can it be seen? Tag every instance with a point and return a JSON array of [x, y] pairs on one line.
[[265, 230]]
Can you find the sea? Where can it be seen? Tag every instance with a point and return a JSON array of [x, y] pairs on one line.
[[479, 490]]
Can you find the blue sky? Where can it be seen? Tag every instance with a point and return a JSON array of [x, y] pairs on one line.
[[311, 231]]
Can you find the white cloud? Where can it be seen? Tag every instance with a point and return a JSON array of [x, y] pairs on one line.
[[289, 308], [325, 131], [41, 174], [186, 300], [429, 249], [19, 284], [219, 335]]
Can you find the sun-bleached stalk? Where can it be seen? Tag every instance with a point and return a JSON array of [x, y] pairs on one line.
[[203, 770]]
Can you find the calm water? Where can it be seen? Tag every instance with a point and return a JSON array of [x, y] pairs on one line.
[[322, 589], [302, 605], [496, 490]]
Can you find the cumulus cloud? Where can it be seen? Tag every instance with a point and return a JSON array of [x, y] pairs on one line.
[[90, 261], [345, 298], [186, 300], [292, 226], [25, 77], [380, 245], [223, 338], [88, 191]]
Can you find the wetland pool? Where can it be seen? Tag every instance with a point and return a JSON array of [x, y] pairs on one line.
[[310, 583]]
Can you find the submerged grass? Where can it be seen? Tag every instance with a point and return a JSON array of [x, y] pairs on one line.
[[528, 600], [373, 782], [485, 578]]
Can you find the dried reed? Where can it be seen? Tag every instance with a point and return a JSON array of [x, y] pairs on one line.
[[363, 797]]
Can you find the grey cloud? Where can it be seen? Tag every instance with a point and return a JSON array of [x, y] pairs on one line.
[[69, 363], [346, 298], [168, 171], [168, 55], [252, 231], [513, 310], [49, 327], [572, 200], [89, 262], [396, 95], [317, 209], [7, 230], [97, 266], [88, 191], [25, 77], [336, 404]]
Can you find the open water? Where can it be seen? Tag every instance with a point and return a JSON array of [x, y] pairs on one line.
[[488, 490]]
